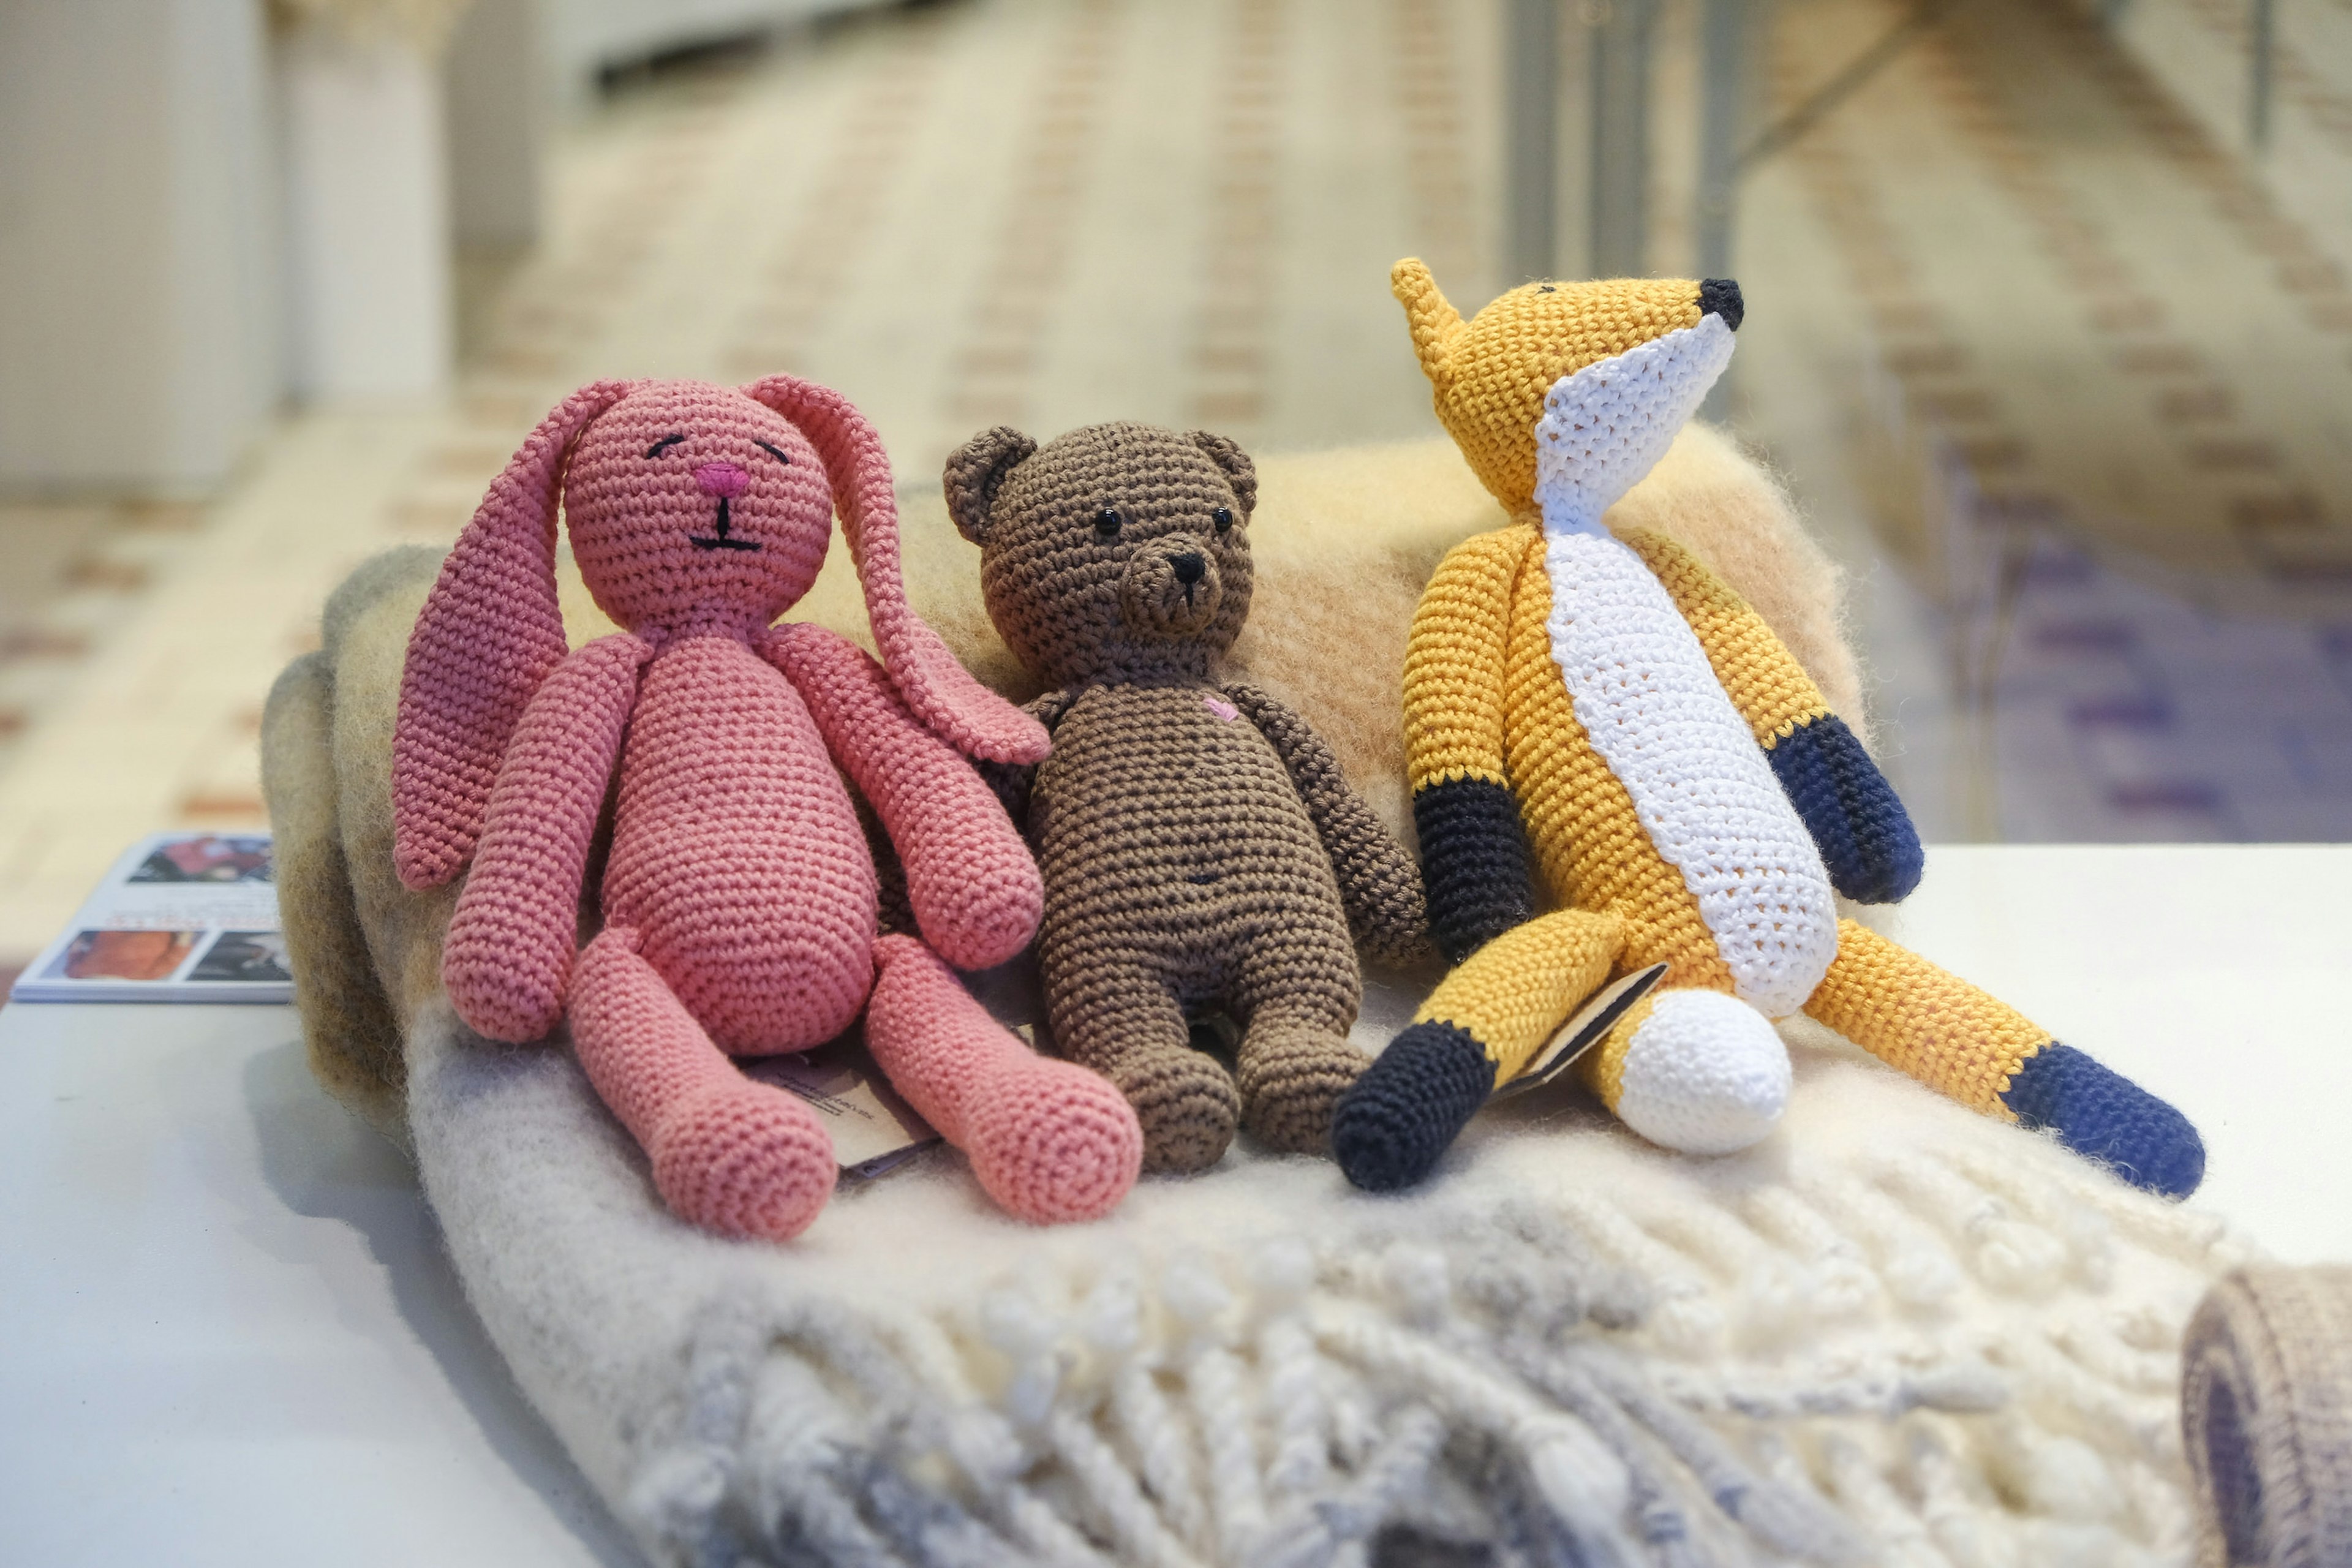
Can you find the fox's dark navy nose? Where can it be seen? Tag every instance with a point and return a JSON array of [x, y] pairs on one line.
[[1720, 297], [1188, 568]]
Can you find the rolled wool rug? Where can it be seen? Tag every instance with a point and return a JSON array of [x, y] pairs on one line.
[[2266, 1418]]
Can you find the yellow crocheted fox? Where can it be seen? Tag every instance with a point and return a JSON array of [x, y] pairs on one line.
[[1689, 797]]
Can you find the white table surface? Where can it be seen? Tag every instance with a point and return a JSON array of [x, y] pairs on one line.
[[228, 1333]]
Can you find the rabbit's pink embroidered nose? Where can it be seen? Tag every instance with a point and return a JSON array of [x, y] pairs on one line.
[[722, 479]]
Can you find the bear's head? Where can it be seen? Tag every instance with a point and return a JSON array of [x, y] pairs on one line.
[[1115, 553], [1493, 375]]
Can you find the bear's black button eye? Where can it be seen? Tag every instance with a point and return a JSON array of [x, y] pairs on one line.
[[1223, 517], [1106, 522]]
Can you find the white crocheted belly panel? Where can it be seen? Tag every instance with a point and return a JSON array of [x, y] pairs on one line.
[[1643, 688]]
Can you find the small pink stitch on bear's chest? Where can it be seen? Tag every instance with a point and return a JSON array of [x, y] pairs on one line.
[[1223, 710]]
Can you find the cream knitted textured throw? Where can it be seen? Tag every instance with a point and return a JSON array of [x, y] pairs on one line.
[[1895, 1332]]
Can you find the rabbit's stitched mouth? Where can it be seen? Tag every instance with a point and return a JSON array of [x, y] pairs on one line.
[[719, 540]]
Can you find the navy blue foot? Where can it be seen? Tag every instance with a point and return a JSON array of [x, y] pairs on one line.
[[2106, 1117], [1396, 1121]]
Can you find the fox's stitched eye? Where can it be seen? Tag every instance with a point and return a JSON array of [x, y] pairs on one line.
[[1106, 522], [663, 445], [775, 452], [1223, 517]]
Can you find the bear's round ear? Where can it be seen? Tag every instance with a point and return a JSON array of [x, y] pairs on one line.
[[1227, 454], [977, 472]]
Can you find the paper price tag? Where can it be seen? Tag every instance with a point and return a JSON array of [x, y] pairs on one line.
[[1584, 1029], [873, 1129]]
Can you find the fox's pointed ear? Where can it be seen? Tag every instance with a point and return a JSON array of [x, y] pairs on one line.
[[977, 472], [1434, 321], [1227, 454]]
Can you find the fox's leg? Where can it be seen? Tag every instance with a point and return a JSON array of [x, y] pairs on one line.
[[1692, 1070], [1049, 1141], [1478, 1029], [1985, 1054], [729, 1153]]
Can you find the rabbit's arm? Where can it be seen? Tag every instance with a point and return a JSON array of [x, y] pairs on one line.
[[508, 961], [1378, 883], [1864, 835], [975, 890], [1474, 851]]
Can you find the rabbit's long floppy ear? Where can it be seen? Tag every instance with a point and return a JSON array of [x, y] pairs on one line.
[[941, 691], [489, 633]]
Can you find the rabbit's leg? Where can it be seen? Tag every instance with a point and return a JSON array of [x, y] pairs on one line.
[[1482, 1024], [1117, 1015], [734, 1155], [1298, 992], [1976, 1048], [1049, 1141]]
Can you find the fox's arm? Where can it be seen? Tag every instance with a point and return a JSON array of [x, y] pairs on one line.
[[1864, 835], [1379, 885], [1474, 851], [507, 960]]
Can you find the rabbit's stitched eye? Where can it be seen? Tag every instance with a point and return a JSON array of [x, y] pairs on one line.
[[663, 445], [1106, 522], [1224, 518], [775, 452]]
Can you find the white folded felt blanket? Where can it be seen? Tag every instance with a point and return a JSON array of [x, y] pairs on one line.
[[1894, 1332]]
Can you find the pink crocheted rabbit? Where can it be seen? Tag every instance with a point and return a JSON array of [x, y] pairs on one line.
[[740, 899]]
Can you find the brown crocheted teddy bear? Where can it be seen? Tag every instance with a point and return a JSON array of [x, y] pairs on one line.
[[1201, 849]]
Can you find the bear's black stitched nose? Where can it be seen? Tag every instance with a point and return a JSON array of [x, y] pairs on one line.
[[1188, 568]]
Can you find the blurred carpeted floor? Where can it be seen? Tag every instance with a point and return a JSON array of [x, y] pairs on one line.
[[2052, 365]]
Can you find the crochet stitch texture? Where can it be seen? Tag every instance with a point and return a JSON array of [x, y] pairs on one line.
[[1608, 708], [1199, 845], [739, 902]]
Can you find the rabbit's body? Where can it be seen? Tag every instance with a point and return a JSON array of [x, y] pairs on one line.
[[740, 898], [769, 942]]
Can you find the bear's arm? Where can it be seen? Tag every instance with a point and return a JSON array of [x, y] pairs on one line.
[[1865, 836], [1378, 882], [1474, 851], [1013, 780]]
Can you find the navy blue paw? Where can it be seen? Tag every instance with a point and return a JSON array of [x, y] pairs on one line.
[[1864, 835], [1474, 863], [2104, 1116], [1396, 1121]]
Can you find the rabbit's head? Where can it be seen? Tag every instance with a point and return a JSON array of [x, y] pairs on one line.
[[693, 508], [696, 508]]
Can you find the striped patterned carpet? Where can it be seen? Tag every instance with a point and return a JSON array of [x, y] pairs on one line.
[[2060, 375]]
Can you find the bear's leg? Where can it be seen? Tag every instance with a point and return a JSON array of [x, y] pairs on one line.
[[1048, 1140], [1292, 1068], [1985, 1054], [1479, 1029], [736, 1156], [1693, 1070], [1123, 1021]]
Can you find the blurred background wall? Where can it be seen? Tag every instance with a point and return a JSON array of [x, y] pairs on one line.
[[2049, 330]]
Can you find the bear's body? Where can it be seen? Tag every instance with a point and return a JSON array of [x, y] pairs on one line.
[[1199, 846]]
